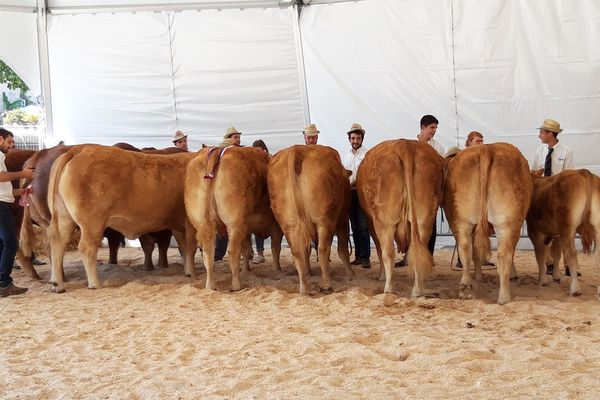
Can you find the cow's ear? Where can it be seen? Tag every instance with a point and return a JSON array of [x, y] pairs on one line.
[[204, 146], [349, 173]]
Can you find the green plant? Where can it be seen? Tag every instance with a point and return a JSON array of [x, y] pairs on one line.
[[20, 117], [12, 80]]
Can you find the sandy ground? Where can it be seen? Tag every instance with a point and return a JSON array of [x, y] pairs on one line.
[[157, 334]]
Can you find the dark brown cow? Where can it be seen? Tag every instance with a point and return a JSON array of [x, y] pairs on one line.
[[399, 186], [561, 206], [487, 184], [226, 191], [101, 176], [310, 197]]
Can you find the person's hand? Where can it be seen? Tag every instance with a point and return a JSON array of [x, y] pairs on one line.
[[28, 172]]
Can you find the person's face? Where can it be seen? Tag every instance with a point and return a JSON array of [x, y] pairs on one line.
[[311, 139], [182, 144], [356, 140], [428, 132], [475, 141], [236, 139], [546, 136], [7, 144]]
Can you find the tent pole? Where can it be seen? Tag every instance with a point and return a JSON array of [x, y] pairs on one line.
[[301, 67], [43, 54]]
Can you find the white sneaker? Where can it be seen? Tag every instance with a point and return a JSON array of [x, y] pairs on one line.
[[258, 259]]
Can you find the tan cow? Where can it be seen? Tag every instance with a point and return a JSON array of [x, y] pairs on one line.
[[563, 205], [310, 197], [487, 184], [399, 185], [226, 191], [87, 187]]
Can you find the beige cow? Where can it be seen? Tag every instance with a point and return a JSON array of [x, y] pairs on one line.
[[487, 184], [226, 192], [399, 185], [563, 205], [87, 188], [310, 197]]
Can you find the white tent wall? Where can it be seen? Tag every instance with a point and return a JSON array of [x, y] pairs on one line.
[[385, 63], [19, 49], [137, 77]]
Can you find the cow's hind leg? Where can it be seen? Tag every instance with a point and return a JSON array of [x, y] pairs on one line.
[[59, 233], [465, 252], [26, 246], [567, 244], [163, 242], [206, 236], [385, 236], [540, 256], [507, 242], [238, 239], [88, 248], [343, 236], [276, 238], [147, 243], [325, 239]]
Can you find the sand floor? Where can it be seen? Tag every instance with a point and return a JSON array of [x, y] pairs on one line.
[[157, 334]]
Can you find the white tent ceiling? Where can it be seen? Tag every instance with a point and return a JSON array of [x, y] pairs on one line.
[[137, 70]]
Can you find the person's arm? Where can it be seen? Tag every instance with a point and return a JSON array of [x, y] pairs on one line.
[[11, 176], [535, 164]]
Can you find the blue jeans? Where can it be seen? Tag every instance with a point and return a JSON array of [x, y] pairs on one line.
[[8, 243], [260, 243], [360, 229]]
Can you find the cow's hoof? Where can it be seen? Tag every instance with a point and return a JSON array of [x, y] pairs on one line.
[[56, 289], [149, 267], [326, 290], [556, 280], [465, 291], [431, 295], [544, 280], [92, 287], [576, 292], [503, 300], [188, 275]]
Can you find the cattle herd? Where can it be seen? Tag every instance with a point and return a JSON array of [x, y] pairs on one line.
[[303, 192]]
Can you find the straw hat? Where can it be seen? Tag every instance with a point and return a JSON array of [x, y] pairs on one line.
[[551, 125], [311, 130], [452, 151], [178, 136], [356, 128], [230, 132]]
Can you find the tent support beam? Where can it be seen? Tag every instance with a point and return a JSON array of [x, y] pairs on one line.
[[42, 34]]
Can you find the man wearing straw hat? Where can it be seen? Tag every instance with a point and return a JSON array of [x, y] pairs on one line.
[[232, 137], [358, 219], [311, 134], [552, 156], [180, 140]]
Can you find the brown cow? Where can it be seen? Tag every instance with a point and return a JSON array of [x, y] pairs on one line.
[[86, 189], [562, 205], [310, 197], [487, 184], [226, 191], [399, 185]]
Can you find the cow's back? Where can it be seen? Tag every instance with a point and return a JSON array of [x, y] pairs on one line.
[[96, 179]]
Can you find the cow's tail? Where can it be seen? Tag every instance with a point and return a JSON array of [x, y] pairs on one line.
[[586, 229], [212, 159], [305, 230], [55, 175], [481, 247], [418, 256]]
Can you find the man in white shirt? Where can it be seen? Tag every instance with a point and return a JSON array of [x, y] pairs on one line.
[[429, 125], [358, 219], [8, 234], [552, 156]]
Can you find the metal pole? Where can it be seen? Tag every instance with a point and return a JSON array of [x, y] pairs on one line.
[[42, 34]]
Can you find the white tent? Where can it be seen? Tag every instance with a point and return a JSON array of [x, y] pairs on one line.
[[137, 70]]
